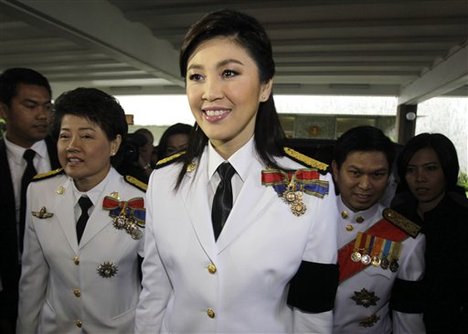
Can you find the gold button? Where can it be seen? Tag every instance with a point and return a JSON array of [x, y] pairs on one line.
[[210, 312], [77, 292], [76, 260], [349, 227], [359, 219], [60, 190], [78, 323], [211, 268], [344, 214]]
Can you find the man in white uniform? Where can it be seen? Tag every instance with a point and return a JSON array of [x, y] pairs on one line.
[[381, 254]]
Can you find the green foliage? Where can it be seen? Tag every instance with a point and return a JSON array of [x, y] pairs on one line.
[[463, 181]]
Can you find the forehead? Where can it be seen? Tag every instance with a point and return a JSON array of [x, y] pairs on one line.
[[218, 48], [368, 160], [32, 92], [423, 156], [70, 121]]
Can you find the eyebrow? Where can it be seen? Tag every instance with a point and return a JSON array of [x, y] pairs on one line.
[[220, 64], [80, 129]]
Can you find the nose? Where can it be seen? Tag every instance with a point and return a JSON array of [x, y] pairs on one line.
[[420, 175], [42, 110], [364, 182], [73, 144], [212, 90]]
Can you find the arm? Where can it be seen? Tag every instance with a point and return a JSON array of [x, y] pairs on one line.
[[313, 289], [156, 284], [406, 296], [34, 277]]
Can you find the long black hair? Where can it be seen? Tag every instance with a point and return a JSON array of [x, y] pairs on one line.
[[248, 33]]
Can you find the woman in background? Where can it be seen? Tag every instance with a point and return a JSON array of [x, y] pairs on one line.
[[174, 139], [84, 227], [428, 170]]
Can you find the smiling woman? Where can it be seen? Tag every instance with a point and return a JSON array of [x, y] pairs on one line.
[[222, 235]]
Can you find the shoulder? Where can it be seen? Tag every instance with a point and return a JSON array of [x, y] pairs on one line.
[[136, 183], [169, 160], [48, 175], [305, 160], [400, 221]]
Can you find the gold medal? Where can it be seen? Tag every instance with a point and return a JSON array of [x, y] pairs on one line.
[[298, 208], [356, 256], [120, 222], [289, 196], [376, 261]]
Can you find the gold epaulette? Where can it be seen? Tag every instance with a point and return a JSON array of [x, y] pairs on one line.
[[135, 182], [170, 159], [305, 160], [401, 222], [43, 176]]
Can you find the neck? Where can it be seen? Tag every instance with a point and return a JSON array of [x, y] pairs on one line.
[[424, 207]]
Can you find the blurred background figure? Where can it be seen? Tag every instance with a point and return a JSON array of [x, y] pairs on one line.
[[146, 151], [428, 170], [174, 139], [25, 149]]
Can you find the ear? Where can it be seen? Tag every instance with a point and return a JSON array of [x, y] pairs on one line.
[[335, 170], [3, 111], [115, 144], [265, 90]]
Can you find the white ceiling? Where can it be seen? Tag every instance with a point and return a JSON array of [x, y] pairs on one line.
[[413, 49]]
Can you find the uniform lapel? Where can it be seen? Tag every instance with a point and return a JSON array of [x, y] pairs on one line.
[[195, 197], [100, 218], [250, 206], [63, 209]]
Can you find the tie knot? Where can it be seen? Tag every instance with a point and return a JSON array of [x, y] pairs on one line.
[[226, 171], [85, 203], [28, 155]]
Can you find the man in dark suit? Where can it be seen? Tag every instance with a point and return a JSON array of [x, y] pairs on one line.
[[25, 104]]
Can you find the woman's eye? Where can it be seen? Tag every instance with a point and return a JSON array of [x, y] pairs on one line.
[[63, 136], [195, 77], [229, 73]]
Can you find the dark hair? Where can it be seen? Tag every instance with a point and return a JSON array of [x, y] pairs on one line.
[[363, 138], [95, 105], [178, 128], [11, 78], [247, 32], [445, 151], [145, 132]]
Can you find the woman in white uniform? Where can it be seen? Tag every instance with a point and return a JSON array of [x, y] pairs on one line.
[[84, 227], [252, 250]]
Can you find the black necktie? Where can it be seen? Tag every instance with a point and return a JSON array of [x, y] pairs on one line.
[[222, 201], [85, 203], [28, 174]]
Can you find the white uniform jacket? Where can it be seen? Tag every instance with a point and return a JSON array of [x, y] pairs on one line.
[[238, 284], [362, 300], [61, 290]]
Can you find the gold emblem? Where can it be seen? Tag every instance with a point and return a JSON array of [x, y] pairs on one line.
[[365, 298], [344, 214], [107, 270], [60, 190], [42, 213], [349, 227], [298, 208], [191, 167], [376, 261], [356, 256], [115, 194]]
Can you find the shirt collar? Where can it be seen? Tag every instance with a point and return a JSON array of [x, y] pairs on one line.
[[240, 160], [358, 216], [15, 152], [95, 193]]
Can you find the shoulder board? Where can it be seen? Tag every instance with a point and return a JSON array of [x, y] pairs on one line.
[[43, 176], [136, 183], [170, 159], [401, 222], [305, 160]]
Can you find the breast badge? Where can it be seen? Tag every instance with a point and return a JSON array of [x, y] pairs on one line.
[[365, 298], [291, 186], [126, 215], [42, 213], [107, 270]]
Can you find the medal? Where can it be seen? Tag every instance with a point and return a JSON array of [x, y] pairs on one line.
[[366, 259], [384, 263], [107, 270], [376, 261], [356, 256], [119, 222]]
